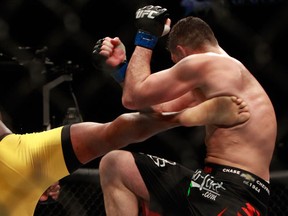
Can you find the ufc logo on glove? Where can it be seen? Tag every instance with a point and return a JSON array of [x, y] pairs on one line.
[[149, 11]]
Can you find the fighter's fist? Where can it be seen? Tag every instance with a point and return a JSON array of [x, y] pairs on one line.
[[152, 19], [112, 50], [109, 55]]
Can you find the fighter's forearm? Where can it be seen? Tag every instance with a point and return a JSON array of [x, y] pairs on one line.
[[137, 71]]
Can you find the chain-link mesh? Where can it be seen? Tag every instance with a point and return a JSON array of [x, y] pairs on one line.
[[279, 193], [279, 200], [81, 195], [77, 199]]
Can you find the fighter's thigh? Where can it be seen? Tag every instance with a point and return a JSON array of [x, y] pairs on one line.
[[119, 167]]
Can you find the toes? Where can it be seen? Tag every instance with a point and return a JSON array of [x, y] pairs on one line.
[[243, 105], [236, 100]]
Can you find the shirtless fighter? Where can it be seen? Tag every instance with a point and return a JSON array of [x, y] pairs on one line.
[[235, 179]]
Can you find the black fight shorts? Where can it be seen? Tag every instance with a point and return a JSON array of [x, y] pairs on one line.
[[214, 190]]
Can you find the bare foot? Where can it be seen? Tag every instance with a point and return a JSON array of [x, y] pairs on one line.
[[221, 111], [227, 113]]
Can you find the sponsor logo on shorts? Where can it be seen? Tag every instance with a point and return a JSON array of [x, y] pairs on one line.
[[257, 186], [161, 162], [254, 184], [248, 177], [206, 184], [234, 171]]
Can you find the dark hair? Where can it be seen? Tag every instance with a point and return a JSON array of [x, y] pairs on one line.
[[192, 32]]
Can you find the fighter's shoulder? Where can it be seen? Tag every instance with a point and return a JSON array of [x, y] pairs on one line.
[[202, 59], [210, 58]]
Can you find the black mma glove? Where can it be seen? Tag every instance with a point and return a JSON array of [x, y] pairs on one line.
[[99, 62], [150, 21]]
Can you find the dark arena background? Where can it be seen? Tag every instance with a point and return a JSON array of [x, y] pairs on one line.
[[47, 77]]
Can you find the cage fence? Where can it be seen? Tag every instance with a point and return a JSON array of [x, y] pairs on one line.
[[80, 195]]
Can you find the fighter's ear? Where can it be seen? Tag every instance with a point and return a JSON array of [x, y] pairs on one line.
[[182, 52], [178, 54]]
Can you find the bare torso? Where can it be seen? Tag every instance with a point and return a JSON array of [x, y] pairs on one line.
[[248, 146], [196, 78]]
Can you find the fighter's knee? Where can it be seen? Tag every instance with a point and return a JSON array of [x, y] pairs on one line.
[[107, 161], [112, 161], [112, 166]]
